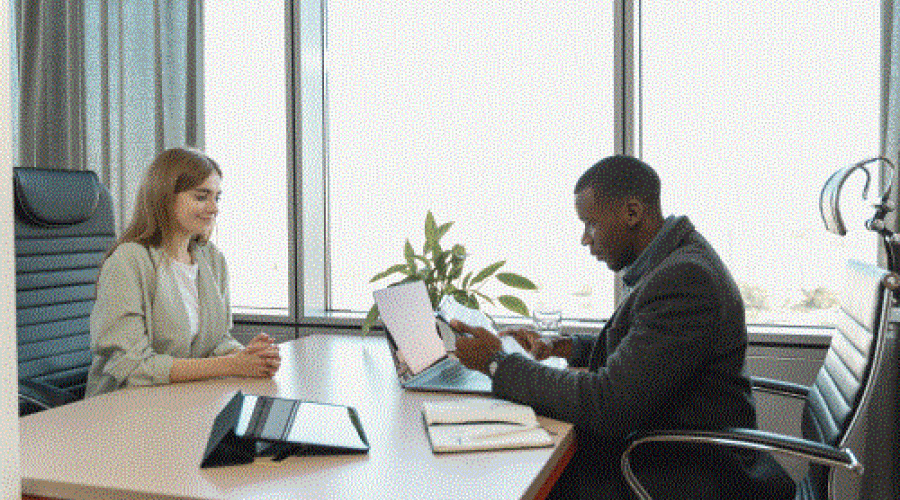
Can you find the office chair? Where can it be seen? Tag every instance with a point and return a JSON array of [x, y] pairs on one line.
[[63, 226], [832, 405]]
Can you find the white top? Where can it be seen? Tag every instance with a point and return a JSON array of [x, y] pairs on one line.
[[186, 279]]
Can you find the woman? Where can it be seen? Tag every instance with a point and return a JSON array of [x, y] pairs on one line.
[[162, 313]]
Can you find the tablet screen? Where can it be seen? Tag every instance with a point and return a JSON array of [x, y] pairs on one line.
[[302, 422], [325, 425]]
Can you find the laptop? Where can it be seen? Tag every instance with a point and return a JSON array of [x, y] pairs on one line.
[[420, 354]]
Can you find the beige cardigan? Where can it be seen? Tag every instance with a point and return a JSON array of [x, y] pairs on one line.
[[139, 324]]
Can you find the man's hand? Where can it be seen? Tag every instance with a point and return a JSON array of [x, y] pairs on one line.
[[531, 341], [475, 350], [541, 347]]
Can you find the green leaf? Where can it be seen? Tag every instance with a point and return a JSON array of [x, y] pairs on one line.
[[410, 256], [465, 282], [442, 230], [424, 261], [370, 320], [409, 279], [430, 233], [430, 227], [440, 262], [483, 296], [516, 281], [396, 268], [461, 296], [434, 296], [455, 271], [487, 272], [457, 262], [514, 304]]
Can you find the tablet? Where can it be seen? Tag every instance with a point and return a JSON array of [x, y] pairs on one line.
[[297, 422]]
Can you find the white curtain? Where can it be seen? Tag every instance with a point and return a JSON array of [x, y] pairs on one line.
[[106, 84]]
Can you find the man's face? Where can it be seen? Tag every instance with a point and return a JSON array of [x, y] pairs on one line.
[[606, 231]]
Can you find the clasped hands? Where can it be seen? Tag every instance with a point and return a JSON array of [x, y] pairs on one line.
[[259, 358], [477, 346]]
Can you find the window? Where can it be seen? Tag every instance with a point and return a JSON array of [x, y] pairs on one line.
[[487, 113], [245, 114], [746, 110], [484, 113]]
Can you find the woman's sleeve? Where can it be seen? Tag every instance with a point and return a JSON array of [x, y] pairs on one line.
[[120, 325]]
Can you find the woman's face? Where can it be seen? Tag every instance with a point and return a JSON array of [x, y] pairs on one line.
[[195, 209]]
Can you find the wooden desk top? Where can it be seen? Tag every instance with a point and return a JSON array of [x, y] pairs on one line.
[[148, 442]]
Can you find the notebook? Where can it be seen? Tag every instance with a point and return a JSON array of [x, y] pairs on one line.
[[420, 355], [482, 424]]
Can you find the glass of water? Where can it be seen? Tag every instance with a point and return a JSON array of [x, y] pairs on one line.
[[547, 319]]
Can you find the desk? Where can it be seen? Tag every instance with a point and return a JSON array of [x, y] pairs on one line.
[[148, 442]]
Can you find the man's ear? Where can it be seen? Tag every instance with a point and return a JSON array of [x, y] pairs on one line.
[[633, 210]]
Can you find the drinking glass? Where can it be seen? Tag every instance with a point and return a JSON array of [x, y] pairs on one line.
[[547, 319]]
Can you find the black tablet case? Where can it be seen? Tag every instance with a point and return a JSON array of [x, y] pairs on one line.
[[227, 448]]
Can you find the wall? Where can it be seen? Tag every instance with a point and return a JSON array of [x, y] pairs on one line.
[[9, 419]]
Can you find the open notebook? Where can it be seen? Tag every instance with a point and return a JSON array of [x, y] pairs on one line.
[[482, 424]]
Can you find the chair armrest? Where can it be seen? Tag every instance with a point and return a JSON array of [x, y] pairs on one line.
[[42, 395], [779, 387], [740, 438]]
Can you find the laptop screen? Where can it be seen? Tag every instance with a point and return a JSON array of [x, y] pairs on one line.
[[406, 311]]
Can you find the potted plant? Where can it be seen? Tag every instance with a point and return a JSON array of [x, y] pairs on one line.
[[442, 270]]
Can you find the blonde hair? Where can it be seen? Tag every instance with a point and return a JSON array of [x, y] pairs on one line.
[[174, 171]]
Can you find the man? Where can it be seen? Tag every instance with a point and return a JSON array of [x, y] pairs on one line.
[[670, 356]]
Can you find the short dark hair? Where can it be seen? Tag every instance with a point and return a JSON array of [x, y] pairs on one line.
[[621, 176]]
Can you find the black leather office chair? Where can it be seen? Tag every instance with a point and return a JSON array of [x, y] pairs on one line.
[[63, 226], [832, 405]]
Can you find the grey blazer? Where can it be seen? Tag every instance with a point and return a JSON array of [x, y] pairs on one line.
[[139, 324], [671, 356]]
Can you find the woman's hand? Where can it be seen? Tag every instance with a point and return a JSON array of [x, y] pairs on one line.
[[260, 358]]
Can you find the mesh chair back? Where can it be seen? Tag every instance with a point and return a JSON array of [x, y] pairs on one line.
[[842, 385], [63, 226]]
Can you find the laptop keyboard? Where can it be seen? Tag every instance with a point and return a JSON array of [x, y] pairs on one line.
[[451, 373], [453, 376]]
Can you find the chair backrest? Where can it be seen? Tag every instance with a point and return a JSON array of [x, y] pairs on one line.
[[63, 226], [843, 386]]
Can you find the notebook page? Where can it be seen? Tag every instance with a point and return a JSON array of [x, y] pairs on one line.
[[406, 311]]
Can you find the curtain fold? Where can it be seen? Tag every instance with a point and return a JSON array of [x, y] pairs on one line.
[[105, 85], [51, 111]]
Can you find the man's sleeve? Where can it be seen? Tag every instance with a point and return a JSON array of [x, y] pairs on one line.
[[666, 344]]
